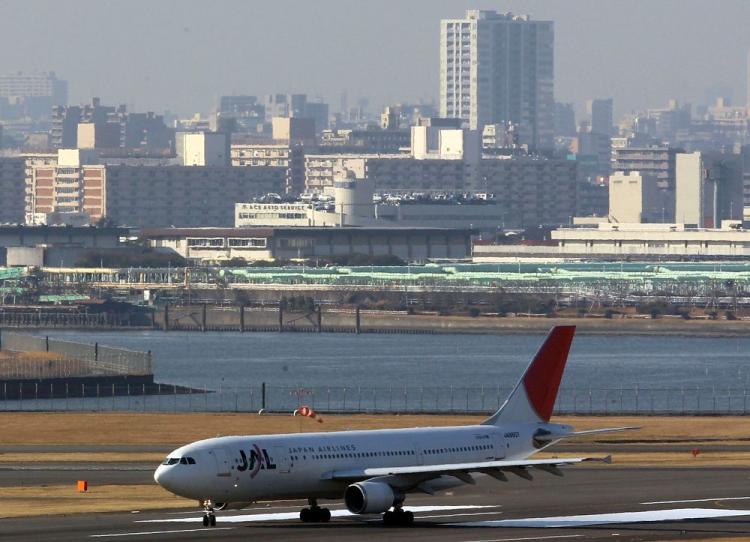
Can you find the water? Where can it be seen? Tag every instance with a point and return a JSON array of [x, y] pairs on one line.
[[224, 360]]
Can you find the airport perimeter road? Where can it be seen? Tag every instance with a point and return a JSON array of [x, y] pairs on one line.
[[629, 504]]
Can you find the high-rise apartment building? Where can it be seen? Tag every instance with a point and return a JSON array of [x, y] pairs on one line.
[[499, 68], [79, 187], [13, 190], [601, 112], [108, 127], [34, 93]]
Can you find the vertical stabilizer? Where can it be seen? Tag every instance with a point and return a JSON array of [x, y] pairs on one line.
[[533, 398]]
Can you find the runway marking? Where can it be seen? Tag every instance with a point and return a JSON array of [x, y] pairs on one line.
[[700, 500], [282, 516], [146, 533], [650, 516], [457, 515], [529, 538], [245, 510]]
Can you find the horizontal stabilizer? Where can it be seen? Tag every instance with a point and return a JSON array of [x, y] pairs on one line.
[[545, 438]]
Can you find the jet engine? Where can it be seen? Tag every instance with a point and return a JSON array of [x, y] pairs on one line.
[[369, 497]]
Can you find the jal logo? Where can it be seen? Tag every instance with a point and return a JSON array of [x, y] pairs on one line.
[[258, 460]]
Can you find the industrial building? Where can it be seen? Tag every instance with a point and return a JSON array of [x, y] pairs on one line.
[[53, 246], [606, 240], [672, 240], [530, 190], [285, 243], [353, 204]]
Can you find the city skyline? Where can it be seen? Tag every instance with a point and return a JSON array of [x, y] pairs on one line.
[[157, 57]]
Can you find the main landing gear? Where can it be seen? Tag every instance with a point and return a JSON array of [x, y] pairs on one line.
[[398, 516], [314, 514], [209, 518]]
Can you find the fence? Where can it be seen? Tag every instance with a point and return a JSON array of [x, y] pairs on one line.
[[29, 356], [360, 399]]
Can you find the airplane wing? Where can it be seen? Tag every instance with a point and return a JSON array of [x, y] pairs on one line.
[[462, 470]]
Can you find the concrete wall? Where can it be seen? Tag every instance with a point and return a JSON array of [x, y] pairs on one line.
[[626, 196], [25, 257], [689, 191]]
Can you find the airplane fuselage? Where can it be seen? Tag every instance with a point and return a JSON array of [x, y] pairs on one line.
[[244, 469]]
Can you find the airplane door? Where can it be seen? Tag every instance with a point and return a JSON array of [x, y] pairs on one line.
[[418, 453], [281, 459], [498, 445], [221, 457]]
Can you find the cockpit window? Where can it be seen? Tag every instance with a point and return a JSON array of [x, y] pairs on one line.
[[191, 461], [183, 461], [171, 461]]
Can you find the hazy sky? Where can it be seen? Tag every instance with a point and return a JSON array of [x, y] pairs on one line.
[[182, 55]]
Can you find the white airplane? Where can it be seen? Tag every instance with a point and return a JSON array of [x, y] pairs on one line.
[[374, 470]]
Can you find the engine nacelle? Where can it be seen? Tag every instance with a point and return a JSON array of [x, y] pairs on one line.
[[231, 505], [369, 497]]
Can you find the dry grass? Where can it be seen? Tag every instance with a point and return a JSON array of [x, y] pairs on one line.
[[84, 457], [63, 428], [65, 499], [40, 365], [666, 459]]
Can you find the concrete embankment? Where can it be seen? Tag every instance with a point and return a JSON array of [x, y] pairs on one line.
[[234, 318]]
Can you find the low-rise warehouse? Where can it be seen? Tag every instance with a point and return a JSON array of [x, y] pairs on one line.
[[221, 244]]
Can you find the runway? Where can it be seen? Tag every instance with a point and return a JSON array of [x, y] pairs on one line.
[[587, 504]]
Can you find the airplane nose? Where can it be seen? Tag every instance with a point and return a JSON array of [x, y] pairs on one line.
[[159, 475]]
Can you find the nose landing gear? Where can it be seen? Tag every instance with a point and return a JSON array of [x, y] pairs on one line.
[[209, 518], [314, 514]]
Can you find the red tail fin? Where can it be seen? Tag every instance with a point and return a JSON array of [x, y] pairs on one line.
[[542, 378], [533, 398]]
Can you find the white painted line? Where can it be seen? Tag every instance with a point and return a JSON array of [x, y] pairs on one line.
[[240, 511], [529, 538], [701, 500], [206, 530], [678, 514], [459, 515], [282, 516]]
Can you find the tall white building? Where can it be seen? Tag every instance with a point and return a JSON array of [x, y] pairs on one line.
[[498, 68], [202, 148]]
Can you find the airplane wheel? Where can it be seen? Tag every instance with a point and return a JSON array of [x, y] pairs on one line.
[[408, 517], [389, 518], [205, 520], [212, 520], [324, 515], [305, 515]]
